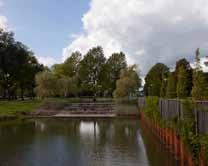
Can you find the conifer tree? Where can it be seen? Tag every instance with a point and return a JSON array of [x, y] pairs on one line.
[[182, 85], [200, 88], [171, 86]]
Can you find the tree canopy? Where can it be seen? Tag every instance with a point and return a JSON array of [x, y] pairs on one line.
[[183, 73], [171, 86], [18, 67], [128, 83], [89, 75], [183, 82], [200, 88], [154, 79]]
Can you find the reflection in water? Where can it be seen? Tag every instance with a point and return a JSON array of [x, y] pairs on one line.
[[75, 142], [89, 129], [153, 147], [40, 125]]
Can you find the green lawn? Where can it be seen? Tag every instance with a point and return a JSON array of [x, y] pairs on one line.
[[16, 107]]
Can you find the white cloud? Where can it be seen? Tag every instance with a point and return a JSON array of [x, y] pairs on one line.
[[3, 22], [3, 19], [46, 60], [148, 31], [202, 63]]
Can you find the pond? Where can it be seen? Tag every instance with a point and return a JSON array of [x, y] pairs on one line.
[[76, 142]]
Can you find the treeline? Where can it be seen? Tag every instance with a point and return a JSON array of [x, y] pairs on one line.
[[89, 75], [18, 67], [183, 82]]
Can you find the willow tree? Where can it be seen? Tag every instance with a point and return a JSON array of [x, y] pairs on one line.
[[47, 84], [128, 82]]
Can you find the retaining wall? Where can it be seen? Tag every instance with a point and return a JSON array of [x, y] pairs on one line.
[[172, 142]]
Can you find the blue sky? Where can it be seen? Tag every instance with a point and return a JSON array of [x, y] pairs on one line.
[[45, 25]]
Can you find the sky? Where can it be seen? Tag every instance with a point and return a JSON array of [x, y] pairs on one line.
[[147, 31]]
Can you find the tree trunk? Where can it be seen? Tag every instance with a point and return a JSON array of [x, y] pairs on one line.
[[22, 93]]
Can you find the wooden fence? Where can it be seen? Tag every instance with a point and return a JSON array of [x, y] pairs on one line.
[[173, 108]]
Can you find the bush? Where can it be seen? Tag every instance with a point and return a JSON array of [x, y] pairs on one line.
[[187, 129], [151, 109], [54, 104]]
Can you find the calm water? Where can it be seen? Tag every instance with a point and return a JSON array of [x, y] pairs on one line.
[[80, 143]]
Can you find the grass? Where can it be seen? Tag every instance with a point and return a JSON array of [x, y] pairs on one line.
[[9, 108]]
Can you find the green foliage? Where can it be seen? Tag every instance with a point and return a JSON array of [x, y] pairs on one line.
[[187, 123], [204, 146], [182, 84], [154, 79], [49, 85], [8, 108], [18, 67], [183, 73], [90, 70], [70, 67], [200, 88], [90, 75], [171, 86], [187, 128], [151, 109], [54, 104], [128, 83], [114, 65]]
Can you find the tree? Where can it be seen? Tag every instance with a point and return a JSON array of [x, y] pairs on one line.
[[47, 84], [171, 86], [154, 79], [114, 65], [18, 67], [67, 86], [184, 65], [90, 71], [200, 88], [128, 82], [70, 67], [163, 87], [182, 85]]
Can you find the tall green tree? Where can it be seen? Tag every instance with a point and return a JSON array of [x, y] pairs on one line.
[[171, 86], [184, 67], [163, 88], [70, 67], [200, 88], [114, 65], [18, 67], [154, 79], [182, 85], [90, 71]]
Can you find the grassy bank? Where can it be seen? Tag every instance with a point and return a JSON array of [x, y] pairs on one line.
[[13, 108]]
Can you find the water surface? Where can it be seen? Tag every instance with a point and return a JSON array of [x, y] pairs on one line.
[[50, 142]]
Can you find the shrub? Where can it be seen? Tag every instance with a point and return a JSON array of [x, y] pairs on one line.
[[151, 109]]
